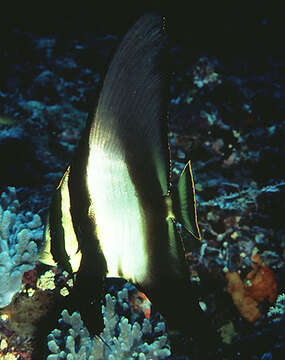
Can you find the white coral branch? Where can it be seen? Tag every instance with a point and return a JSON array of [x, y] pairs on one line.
[[128, 344], [277, 312], [19, 234]]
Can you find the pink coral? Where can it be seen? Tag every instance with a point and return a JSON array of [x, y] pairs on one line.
[[30, 277]]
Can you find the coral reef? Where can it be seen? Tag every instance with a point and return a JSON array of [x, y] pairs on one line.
[[226, 115], [246, 305], [259, 284], [19, 235], [121, 338], [277, 312], [19, 320], [140, 302], [204, 73], [228, 333], [25, 310]]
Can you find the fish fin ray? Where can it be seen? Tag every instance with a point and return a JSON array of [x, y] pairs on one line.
[[185, 203], [44, 255], [131, 116]]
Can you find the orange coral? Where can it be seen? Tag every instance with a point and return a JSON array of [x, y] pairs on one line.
[[140, 302], [260, 283], [247, 306]]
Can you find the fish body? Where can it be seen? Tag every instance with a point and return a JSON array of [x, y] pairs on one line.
[[115, 210]]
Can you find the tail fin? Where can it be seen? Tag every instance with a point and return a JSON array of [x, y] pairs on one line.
[[185, 204]]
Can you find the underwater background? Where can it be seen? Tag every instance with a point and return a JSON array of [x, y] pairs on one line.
[[226, 116]]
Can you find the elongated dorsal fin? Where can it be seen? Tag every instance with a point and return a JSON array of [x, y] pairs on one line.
[[131, 117], [184, 202]]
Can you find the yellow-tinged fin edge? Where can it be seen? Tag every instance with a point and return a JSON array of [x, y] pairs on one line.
[[185, 203], [60, 245], [45, 255]]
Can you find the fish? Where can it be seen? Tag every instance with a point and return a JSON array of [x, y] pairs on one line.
[[115, 211]]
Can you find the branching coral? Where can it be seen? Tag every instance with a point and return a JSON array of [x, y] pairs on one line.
[[260, 283], [277, 312], [120, 339], [204, 73], [19, 234]]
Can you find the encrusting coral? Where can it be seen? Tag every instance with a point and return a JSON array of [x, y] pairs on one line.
[[24, 312], [260, 283], [19, 235], [247, 306], [122, 338]]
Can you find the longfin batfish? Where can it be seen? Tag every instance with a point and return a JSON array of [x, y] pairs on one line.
[[114, 213]]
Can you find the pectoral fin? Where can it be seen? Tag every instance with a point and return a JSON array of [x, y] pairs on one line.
[[45, 255], [185, 204], [176, 246]]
